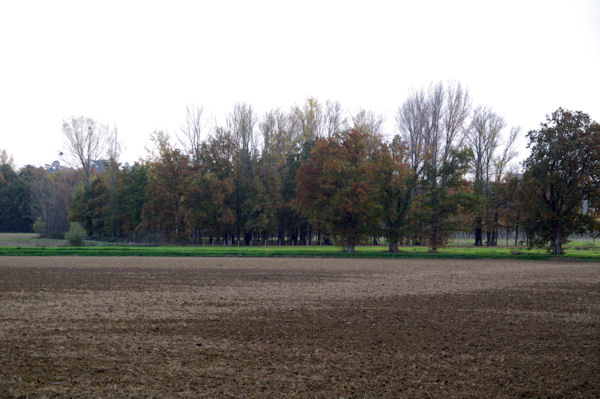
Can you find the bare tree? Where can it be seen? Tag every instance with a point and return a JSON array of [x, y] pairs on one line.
[[51, 195], [191, 134], [241, 123], [508, 154], [334, 119], [277, 135], [113, 153], [432, 125], [85, 143], [368, 122], [411, 121], [483, 136]]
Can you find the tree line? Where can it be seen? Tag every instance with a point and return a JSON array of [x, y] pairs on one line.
[[314, 175]]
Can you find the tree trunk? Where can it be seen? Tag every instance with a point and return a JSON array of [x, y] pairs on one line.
[[494, 242], [478, 233], [494, 238], [350, 248], [394, 247], [557, 241], [517, 234], [302, 234]]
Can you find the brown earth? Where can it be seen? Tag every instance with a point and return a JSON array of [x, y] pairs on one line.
[[322, 328]]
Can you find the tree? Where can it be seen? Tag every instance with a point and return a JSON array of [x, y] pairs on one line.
[[168, 180], [335, 186], [334, 119], [51, 199], [432, 124], [483, 137], [241, 123], [369, 122], [310, 120], [6, 159], [395, 184], [191, 134], [76, 234], [15, 197], [505, 206], [113, 152], [309, 124], [131, 197], [499, 201], [443, 195], [211, 197], [562, 175], [85, 142], [90, 207]]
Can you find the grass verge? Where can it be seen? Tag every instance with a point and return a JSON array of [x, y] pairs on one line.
[[308, 251]]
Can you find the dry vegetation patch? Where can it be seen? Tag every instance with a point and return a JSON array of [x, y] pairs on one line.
[[264, 327]]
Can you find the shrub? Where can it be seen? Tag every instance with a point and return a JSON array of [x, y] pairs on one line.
[[39, 227], [76, 234]]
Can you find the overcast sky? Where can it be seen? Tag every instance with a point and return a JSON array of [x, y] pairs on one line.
[[137, 64]]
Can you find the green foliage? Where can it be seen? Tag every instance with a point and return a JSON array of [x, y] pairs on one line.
[[76, 234], [131, 197], [89, 207], [443, 194], [562, 175], [15, 197], [39, 226]]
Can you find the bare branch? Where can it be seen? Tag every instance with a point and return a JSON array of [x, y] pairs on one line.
[[368, 122], [85, 142], [191, 138], [334, 119]]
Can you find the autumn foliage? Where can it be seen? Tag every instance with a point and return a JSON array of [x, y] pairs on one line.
[[313, 176], [337, 186]]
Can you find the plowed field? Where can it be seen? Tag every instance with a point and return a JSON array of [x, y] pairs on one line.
[[323, 328]]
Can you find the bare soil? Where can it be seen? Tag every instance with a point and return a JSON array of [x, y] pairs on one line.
[[321, 328]]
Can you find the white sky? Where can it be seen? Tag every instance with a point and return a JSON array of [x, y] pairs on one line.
[[137, 64]]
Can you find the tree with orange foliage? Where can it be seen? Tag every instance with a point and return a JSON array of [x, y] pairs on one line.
[[169, 172], [396, 185], [336, 186]]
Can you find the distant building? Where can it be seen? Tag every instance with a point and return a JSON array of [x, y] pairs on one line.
[[53, 167]]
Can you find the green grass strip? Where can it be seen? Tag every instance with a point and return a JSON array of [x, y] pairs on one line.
[[311, 251]]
